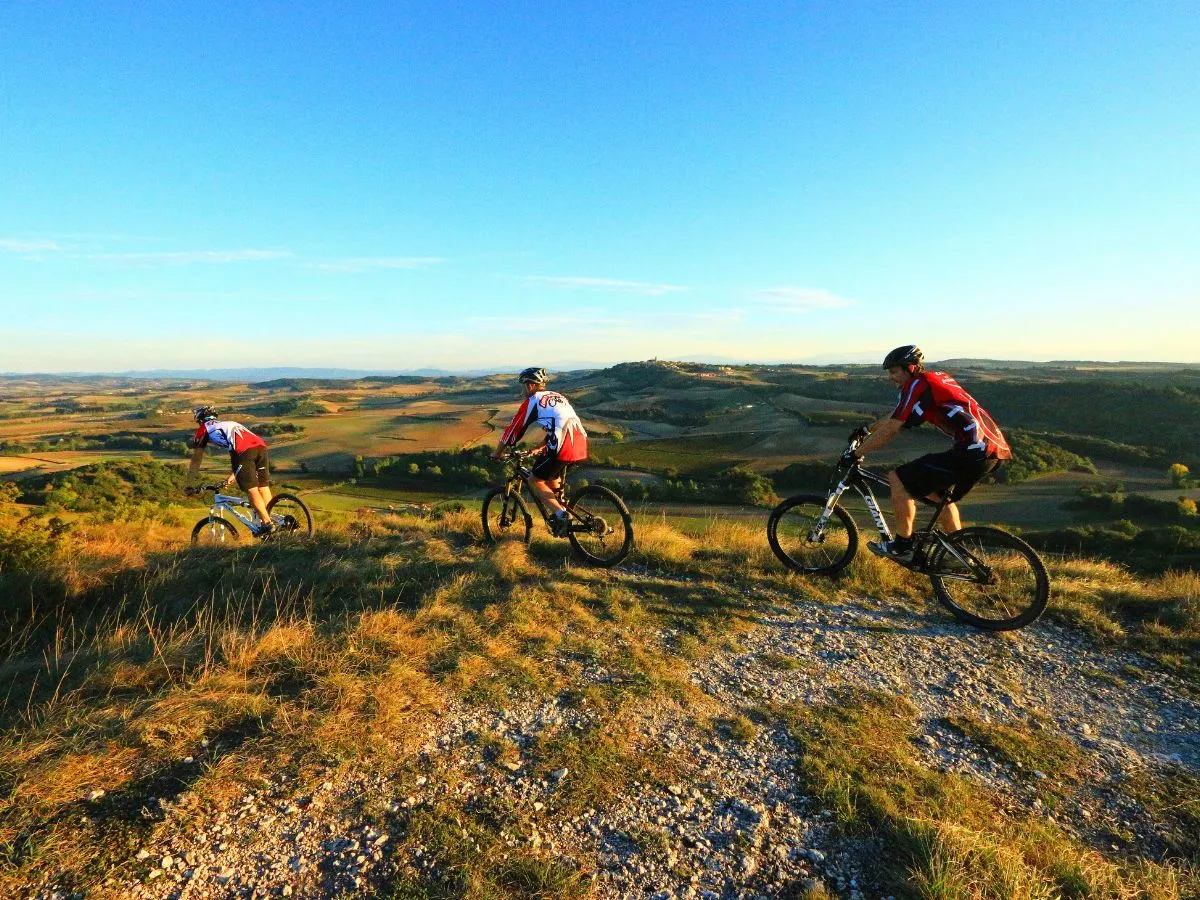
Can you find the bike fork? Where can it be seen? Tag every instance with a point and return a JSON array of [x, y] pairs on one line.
[[818, 530]]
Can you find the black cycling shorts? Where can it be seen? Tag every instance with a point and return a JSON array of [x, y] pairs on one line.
[[548, 467], [251, 468], [934, 472]]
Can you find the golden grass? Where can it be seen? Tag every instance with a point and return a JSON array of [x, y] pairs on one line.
[[335, 649], [949, 837], [657, 543]]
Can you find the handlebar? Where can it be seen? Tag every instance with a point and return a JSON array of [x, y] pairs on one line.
[[857, 436]]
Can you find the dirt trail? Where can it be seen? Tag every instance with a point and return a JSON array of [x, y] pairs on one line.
[[740, 824]]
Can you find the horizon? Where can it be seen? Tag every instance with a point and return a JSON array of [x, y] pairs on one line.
[[430, 187], [244, 373]]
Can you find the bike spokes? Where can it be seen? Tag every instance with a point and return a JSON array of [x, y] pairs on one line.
[[989, 578], [807, 538], [505, 517], [601, 529], [290, 515]]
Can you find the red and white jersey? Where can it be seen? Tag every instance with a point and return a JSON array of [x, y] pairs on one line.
[[938, 399], [228, 436], [564, 432]]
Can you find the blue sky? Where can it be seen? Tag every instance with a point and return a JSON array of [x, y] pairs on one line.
[[405, 184]]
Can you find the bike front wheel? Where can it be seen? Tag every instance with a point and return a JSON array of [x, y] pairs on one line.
[[290, 515], [989, 578], [214, 532], [601, 527], [802, 546], [506, 517]]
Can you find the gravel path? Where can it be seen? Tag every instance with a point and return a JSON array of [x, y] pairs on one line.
[[737, 825]]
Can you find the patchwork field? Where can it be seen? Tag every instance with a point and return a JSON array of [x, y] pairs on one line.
[[649, 423], [393, 707]]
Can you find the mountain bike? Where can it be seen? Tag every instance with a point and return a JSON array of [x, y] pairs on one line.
[[986, 577], [287, 512], [600, 527]]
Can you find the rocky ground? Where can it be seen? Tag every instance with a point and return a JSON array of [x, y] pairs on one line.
[[733, 822]]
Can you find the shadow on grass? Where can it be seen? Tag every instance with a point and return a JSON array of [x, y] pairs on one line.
[[116, 824]]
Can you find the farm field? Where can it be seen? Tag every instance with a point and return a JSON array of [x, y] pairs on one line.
[[395, 627], [649, 423]]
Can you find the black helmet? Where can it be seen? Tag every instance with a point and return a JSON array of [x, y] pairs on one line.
[[908, 355], [204, 413], [533, 375]]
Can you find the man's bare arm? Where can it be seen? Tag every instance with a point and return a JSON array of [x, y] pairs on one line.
[[194, 466], [881, 434]]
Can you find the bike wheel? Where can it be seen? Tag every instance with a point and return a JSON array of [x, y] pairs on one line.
[[290, 515], [214, 532], [989, 578], [506, 517], [791, 532], [601, 527]]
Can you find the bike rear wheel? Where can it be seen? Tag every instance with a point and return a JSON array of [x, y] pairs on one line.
[[290, 515], [792, 534], [989, 578], [214, 532], [506, 517], [601, 527]]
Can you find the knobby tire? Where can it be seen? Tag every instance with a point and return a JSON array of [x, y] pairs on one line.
[[1002, 586], [612, 537], [506, 517], [212, 531], [789, 529], [297, 517]]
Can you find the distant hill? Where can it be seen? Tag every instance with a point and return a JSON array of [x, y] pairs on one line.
[[849, 362]]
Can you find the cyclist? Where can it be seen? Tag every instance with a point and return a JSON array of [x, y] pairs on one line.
[[247, 455], [566, 441], [979, 446]]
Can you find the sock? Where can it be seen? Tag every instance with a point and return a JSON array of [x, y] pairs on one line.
[[902, 543]]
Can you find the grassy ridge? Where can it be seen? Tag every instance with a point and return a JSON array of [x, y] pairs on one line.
[[126, 656]]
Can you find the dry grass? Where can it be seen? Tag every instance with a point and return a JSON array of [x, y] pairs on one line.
[[128, 655], [947, 836], [660, 545], [1159, 616]]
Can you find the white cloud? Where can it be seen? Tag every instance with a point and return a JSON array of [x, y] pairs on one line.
[[607, 284], [800, 300], [189, 257], [11, 245], [588, 325], [364, 264]]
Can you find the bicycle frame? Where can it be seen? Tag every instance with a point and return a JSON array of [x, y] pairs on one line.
[[516, 482], [226, 503], [520, 478], [860, 480]]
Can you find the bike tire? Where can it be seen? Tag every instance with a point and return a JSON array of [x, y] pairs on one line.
[[1002, 586], [506, 517], [213, 531], [789, 529], [297, 519], [612, 538]]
